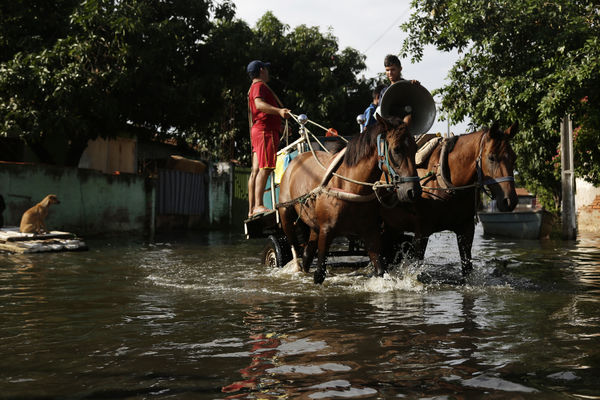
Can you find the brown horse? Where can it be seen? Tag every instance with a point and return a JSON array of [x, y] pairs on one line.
[[451, 181], [323, 209]]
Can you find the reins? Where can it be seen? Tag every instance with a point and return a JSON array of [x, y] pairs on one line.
[[307, 132], [480, 184], [384, 159], [383, 153], [337, 193]]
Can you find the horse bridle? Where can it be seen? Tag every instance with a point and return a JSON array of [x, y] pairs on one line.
[[478, 166], [384, 159]]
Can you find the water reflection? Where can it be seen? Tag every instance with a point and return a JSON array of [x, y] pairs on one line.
[[298, 365], [262, 353], [443, 340], [200, 317]]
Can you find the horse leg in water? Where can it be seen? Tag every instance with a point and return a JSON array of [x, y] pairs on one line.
[[373, 246], [392, 244], [464, 238], [324, 240], [288, 215], [310, 250], [420, 246]]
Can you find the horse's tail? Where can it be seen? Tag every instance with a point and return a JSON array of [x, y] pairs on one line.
[[296, 230], [302, 232]]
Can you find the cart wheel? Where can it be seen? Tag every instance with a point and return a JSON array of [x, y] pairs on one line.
[[277, 252]]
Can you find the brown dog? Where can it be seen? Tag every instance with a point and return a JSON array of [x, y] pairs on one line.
[[33, 220]]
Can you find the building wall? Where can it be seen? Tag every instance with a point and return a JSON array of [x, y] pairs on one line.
[[220, 196], [239, 207], [111, 155], [95, 202], [91, 202], [587, 203]]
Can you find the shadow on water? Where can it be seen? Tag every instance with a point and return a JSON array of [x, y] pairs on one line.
[[198, 316]]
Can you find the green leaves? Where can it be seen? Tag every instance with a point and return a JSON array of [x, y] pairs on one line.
[[170, 69], [111, 67], [308, 72], [531, 61]]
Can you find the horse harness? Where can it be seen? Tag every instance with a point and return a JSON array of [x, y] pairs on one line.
[[383, 159], [442, 170]]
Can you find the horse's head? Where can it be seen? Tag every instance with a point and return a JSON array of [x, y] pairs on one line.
[[400, 157], [496, 163]]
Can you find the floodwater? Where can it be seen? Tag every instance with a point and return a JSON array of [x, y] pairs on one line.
[[197, 316]]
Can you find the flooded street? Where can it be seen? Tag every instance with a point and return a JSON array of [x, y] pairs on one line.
[[197, 316]]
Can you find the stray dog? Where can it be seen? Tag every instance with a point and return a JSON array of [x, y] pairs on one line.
[[33, 220]]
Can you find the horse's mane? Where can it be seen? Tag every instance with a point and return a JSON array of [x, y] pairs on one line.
[[466, 138], [473, 139], [451, 142], [362, 144]]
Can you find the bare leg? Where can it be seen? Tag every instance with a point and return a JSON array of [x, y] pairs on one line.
[[252, 183], [259, 187]]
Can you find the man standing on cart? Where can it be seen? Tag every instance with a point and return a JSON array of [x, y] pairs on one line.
[[265, 111]]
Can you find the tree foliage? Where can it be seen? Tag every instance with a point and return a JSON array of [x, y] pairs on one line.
[[308, 72], [112, 67], [531, 61], [71, 71]]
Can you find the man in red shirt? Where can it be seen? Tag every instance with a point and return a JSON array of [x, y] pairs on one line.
[[266, 111]]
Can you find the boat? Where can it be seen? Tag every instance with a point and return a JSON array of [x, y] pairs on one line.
[[13, 241], [527, 221]]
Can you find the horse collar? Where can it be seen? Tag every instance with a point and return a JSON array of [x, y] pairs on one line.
[[384, 158], [479, 167], [381, 152]]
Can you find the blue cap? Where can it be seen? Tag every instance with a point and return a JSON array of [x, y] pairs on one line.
[[255, 66]]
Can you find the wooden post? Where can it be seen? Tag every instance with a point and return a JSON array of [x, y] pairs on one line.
[[273, 195], [569, 220], [153, 210]]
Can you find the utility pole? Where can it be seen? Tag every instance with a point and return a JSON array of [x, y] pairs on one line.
[[569, 220]]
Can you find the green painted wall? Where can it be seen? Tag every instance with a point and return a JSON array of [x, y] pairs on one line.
[[239, 203], [91, 202], [219, 194]]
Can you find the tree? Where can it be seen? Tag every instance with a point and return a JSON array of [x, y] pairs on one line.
[[32, 26], [111, 67], [172, 69], [531, 61], [313, 75], [309, 73]]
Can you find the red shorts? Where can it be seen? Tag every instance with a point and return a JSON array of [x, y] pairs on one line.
[[264, 144]]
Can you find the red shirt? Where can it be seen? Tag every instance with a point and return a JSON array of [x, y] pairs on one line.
[[261, 120]]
